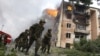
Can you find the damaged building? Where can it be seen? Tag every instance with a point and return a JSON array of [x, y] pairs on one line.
[[76, 21]]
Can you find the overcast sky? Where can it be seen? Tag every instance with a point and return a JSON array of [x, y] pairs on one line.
[[18, 15]]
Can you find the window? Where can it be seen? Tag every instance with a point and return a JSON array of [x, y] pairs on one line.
[[68, 35], [81, 27], [76, 36], [80, 36], [69, 15], [68, 25], [67, 45]]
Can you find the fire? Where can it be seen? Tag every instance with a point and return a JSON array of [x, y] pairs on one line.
[[52, 12]]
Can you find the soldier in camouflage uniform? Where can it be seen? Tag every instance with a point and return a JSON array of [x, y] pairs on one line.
[[19, 41], [46, 42], [25, 40], [35, 34], [16, 43], [22, 40]]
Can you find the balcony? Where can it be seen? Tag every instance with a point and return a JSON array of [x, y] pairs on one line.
[[81, 22], [76, 12], [80, 9], [82, 31], [80, 14]]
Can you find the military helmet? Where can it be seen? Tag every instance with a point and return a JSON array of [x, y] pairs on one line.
[[42, 21], [49, 30]]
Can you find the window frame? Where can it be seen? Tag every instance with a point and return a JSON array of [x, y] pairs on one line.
[[68, 25], [68, 35]]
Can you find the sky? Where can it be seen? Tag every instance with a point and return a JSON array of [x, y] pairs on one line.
[[18, 15]]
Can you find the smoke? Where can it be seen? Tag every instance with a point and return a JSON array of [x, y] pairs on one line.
[[18, 15]]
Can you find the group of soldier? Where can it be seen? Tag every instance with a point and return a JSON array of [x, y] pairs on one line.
[[33, 34]]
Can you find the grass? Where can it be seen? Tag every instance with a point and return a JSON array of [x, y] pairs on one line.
[[2, 52], [71, 52], [54, 52], [3, 49]]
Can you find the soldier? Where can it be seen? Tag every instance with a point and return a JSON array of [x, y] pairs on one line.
[[16, 43], [22, 40], [46, 42], [0, 39], [25, 39], [35, 34], [5, 39], [19, 41]]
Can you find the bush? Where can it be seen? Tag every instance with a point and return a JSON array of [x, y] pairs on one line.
[[78, 45], [88, 46], [74, 52]]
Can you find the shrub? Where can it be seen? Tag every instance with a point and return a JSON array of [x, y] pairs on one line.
[[88, 46]]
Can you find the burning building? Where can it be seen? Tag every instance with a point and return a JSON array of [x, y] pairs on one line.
[[75, 22]]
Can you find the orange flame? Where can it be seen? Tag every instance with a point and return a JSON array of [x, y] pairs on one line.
[[52, 12]]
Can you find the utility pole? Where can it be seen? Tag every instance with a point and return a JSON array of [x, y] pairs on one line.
[[2, 27]]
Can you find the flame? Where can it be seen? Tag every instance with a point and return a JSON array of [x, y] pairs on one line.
[[52, 12], [70, 8]]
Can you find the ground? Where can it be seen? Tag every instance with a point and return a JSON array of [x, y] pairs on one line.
[[53, 52]]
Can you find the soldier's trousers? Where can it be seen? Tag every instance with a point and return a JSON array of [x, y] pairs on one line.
[[37, 44]]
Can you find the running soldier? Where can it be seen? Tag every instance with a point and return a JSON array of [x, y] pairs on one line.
[[46, 43], [35, 35], [22, 41]]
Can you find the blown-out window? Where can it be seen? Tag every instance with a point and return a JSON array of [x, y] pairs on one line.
[[68, 25], [68, 35], [67, 45]]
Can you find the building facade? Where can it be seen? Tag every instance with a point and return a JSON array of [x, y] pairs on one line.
[[76, 22]]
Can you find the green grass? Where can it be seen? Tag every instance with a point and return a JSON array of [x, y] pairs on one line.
[[71, 52], [2, 51]]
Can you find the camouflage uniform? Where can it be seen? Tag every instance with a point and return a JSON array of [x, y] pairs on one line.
[[21, 40], [35, 34], [46, 42], [16, 43], [25, 40]]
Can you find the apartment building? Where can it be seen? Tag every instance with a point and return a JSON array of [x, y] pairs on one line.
[[75, 22]]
